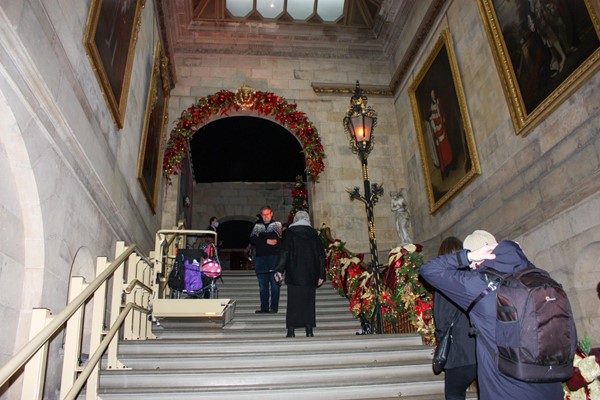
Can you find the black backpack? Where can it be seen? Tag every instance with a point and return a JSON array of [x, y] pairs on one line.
[[176, 277], [535, 330]]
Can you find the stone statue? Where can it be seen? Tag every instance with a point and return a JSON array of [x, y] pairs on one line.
[[400, 208]]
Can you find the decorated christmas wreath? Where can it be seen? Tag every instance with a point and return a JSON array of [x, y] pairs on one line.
[[224, 102]]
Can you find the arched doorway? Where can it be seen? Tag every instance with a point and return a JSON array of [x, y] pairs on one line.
[[240, 164], [245, 149], [586, 282], [245, 99], [234, 233], [23, 266], [209, 119]]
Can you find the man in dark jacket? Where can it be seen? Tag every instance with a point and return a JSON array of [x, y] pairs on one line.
[[266, 238], [302, 260], [462, 287]]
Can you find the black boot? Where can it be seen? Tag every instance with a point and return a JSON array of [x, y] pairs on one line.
[[290, 333], [309, 332]]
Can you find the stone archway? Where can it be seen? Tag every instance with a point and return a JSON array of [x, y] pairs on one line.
[[23, 266], [586, 278], [225, 102]]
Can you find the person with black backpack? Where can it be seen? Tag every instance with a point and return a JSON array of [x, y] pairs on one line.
[[466, 287]]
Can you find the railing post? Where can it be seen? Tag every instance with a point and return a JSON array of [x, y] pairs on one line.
[[35, 370], [148, 274], [159, 268], [115, 308], [97, 329], [73, 334], [130, 320]]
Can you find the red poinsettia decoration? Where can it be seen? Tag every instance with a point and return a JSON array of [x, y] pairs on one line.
[[264, 104], [299, 199]]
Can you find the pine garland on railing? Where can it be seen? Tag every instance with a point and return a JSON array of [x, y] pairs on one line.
[[402, 294], [412, 295], [585, 382]]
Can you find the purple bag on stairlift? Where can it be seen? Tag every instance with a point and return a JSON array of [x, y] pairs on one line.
[[193, 276]]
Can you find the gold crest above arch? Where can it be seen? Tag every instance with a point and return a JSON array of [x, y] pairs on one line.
[[245, 98]]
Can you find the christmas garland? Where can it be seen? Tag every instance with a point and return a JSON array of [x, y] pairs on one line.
[[585, 382], [402, 291], [410, 293], [224, 102], [299, 199]]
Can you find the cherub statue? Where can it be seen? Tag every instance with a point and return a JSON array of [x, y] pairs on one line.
[[400, 208]]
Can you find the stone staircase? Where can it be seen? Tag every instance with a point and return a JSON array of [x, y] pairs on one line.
[[250, 357]]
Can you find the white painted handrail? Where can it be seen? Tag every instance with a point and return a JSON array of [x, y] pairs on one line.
[[138, 291], [95, 358]]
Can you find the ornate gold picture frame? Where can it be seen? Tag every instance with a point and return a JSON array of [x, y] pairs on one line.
[[444, 133], [544, 51], [110, 36], [153, 134]]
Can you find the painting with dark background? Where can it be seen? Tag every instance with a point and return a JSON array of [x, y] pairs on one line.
[[149, 165], [545, 50], [443, 128], [110, 38]]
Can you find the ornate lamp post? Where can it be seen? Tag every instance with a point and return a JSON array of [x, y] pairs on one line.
[[359, 124]]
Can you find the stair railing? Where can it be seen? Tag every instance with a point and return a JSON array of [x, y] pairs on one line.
[[131, 290], [166, 243]]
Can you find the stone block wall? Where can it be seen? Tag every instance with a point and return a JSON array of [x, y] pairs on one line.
[[240, 201], [203, 75], [541, 189], [70, 189]]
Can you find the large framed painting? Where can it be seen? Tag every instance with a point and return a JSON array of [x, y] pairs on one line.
[[155, 118], [110, 36], [444, 133], [544, 51]]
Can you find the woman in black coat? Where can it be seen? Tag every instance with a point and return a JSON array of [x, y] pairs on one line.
[[302, 262], [461, 367]]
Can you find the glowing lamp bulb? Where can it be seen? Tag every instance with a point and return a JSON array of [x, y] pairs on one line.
[[360, 134]]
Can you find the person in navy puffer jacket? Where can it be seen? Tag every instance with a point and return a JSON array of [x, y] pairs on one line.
[[462, 287]]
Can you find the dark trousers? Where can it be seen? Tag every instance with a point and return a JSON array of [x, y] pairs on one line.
[[300, 311], [457, 380], [268, 288]]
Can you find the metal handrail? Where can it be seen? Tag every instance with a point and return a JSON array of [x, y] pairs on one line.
[[35, 344], [39, 342], [137, 282], [97, 356]]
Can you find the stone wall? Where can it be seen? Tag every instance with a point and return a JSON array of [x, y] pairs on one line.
[[542, 189], [69, 186], [202, 75], [240, 201]]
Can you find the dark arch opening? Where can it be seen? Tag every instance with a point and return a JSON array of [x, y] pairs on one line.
[[233, 239], [246, 149], [234, 234]]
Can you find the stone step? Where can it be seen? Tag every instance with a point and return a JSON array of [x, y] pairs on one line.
[[271, 360], [251, 332], [251, 358], [157, 380], [424, 390], [234, 345]]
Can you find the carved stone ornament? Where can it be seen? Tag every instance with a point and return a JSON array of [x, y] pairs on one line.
[[244, 97]]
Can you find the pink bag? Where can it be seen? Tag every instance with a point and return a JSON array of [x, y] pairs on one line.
[[211, 268]]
